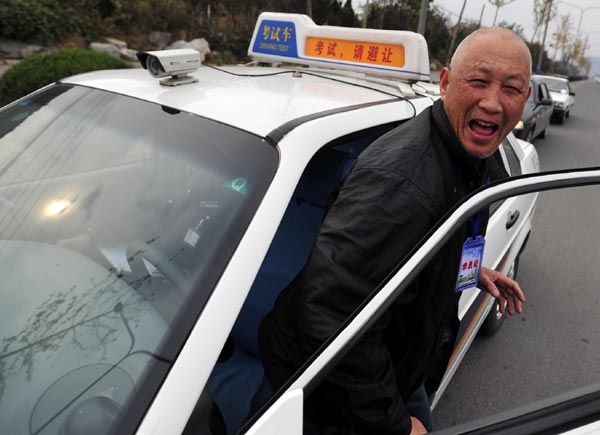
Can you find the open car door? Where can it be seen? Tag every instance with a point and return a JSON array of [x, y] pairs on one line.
[[574, 413]]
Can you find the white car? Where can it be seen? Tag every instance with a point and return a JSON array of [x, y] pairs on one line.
[[563, 96], [148, 226]]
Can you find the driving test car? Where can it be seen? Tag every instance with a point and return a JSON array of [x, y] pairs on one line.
[[537, 113], [150, 217], [562, 95]]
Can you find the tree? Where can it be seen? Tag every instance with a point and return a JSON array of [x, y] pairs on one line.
[[577, 50], [540, 10], [348, 18], [562, 37], [517, 28], [394, 14], [499, 4], [465, 30]]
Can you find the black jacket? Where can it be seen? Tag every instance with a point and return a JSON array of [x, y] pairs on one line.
[[401, 185]]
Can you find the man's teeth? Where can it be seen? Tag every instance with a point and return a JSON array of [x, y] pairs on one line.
[[485, 124]]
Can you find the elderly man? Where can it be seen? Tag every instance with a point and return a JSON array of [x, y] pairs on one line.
[[399, 188]]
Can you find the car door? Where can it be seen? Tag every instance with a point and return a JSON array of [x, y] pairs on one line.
[[508, 230], [510, 221], [544, 105], [538, 111], [283, 413]]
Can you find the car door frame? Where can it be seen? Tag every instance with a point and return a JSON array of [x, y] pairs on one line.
[[299, 141], [288, 399]]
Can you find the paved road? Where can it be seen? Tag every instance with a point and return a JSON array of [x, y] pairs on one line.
[[554, 346]]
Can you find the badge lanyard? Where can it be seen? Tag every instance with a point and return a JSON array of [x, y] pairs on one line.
[[471, 258]]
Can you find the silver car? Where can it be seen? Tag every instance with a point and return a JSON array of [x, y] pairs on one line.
[[563, 96]]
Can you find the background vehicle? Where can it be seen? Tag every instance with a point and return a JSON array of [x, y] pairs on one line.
[[160, 222], [562, 95], [537, 113]]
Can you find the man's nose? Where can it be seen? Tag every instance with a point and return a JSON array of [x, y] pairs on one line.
[[491, 100]]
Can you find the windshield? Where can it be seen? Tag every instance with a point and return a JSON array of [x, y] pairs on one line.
[[117, 217], [557, 85]]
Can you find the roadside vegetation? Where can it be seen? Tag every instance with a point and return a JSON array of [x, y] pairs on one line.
[[227, 24], [42, 69]]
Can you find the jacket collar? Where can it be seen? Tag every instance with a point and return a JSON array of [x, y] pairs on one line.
[[472, 170]]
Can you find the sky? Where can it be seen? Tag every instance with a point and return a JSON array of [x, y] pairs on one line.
[[521, 12]]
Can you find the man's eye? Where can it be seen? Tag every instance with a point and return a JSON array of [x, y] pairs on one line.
[[514, 89], [477, 81]]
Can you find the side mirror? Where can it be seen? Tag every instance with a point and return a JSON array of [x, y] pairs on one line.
[[572, 93], [546, 102]]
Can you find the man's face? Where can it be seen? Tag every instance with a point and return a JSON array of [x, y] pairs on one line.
[[485, 92]]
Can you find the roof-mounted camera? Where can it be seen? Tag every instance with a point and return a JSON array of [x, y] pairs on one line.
[[174, 64]]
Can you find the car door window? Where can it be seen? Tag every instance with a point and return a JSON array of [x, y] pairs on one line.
[[544, 94], [514, 164], [511, 164]]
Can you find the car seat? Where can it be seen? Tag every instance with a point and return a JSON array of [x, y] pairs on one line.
[[233, 382]]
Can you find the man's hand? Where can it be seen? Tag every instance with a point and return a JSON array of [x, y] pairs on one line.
[[505, 290], [417, 427]]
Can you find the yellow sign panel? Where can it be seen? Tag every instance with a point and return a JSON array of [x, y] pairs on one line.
[[371, 53]]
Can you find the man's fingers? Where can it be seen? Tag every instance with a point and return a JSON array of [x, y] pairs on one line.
[[514, 288], [495, 292], [511, 304], [519, 306], [506, 290], [515, 303]]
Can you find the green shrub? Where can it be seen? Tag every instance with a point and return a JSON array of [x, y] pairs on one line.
[[221, 58], [45, 21], [40, 70]]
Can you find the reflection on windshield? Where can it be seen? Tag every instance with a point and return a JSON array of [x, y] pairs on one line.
[[111, 211]]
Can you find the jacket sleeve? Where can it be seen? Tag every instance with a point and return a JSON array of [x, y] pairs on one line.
[[374, 223]]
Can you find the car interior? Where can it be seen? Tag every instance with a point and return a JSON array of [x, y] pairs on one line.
[[237, 376]]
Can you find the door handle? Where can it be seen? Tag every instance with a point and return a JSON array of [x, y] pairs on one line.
[[512, 219]]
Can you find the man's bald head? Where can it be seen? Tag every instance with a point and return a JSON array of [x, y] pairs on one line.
[[499, 34]]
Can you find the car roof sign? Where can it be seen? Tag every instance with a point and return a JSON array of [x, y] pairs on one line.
[[295, 38]]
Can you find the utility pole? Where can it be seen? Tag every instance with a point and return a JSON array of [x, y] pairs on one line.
[[541, 53], [454, 33], [423, 16], [309, 8], [481, 16], [365, 14]]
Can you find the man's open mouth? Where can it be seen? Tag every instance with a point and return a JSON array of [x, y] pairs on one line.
[[482, 128]]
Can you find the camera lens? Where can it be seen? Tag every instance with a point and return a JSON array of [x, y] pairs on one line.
[[154, 66]]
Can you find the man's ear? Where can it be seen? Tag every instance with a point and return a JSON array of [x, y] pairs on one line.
[[444, 81]]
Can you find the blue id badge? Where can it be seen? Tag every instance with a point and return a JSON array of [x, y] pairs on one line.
[[470, 263]]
